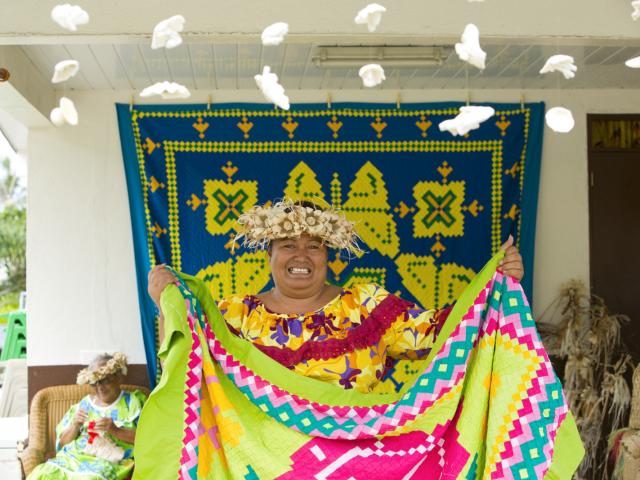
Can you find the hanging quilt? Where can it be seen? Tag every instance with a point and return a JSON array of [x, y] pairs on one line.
[[430, 208]]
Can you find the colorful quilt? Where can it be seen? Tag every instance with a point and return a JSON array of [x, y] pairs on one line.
[[484, 404], [429, 207]]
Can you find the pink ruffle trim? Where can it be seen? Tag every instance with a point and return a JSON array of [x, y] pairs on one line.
[[368, 333]]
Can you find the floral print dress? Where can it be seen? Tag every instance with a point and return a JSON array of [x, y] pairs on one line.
[[71, 463], [351, 341]]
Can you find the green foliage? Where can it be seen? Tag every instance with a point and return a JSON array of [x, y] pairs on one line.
[[13, 233], [9, 302]]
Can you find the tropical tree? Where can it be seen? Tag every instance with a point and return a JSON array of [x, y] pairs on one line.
[[13, 232]]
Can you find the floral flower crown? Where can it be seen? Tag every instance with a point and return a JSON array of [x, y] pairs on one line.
[[288, 219], [117, 364]]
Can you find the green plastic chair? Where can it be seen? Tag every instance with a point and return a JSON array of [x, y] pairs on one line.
[[15, 342], [17, 318]]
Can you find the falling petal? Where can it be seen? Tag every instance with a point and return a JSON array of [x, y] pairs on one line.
[[69, 16], [469, 118], [560, 63], [469, 49], [559, 119], [371, 16], [65, 113], [271, 89], [635, 15], [56, 117], [167, 90], [167, 33], [372, 75], [69, 111], [633, 62], [64, 70], [274, 34]]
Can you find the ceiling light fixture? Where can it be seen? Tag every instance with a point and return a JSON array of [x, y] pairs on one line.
[[386, 56]]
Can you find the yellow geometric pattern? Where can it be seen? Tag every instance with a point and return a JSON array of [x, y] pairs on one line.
[[525, 362], [367, 202], [248, 273], [367, 205], [439, 209], [361, 275], [303, 185], [419, 274], [226, 201], [433, 286], [452, 280], [218, 425], [335, 125]]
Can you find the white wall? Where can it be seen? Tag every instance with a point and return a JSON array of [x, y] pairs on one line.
[[80, 274], [80, 271], [331, 20]]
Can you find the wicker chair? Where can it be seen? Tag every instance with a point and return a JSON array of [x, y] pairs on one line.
[[47, 409]]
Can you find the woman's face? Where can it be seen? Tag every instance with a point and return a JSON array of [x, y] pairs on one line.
[[299, 266], [108, 389]]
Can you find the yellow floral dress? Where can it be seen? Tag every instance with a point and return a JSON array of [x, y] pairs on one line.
[[351, 341]]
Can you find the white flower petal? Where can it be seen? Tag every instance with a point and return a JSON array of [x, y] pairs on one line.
[[633, 62], [274, 34], [469, 118], [69, 111], [469, 50], [372, 75], [64, 70], [371, 16], [166, 33], [635, 15], [56, 117], [167, 90], [559, 119], [560, 63], [271, 89], [69, 16], [65, 113]]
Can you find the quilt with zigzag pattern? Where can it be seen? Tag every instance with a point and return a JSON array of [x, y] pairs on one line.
[[485, 403]]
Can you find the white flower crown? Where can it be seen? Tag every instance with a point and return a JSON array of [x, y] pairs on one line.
[[288, 219], [117, 364]]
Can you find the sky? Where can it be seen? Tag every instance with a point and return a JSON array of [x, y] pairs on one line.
[[18, 163]]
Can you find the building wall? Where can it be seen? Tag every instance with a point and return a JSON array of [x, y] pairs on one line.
[[331, 19], [80, 271]]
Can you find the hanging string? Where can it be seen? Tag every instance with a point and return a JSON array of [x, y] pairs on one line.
[[558, 87], [466, 74]]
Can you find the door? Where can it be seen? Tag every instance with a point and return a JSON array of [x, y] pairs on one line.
[[614, 218]]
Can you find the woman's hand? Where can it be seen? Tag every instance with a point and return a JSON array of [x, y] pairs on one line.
[[70, 433], [105, 425], [80, 417], [158, 279], [511, 264]]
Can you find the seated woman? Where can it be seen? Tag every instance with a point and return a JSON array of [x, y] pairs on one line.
[[94, 440]]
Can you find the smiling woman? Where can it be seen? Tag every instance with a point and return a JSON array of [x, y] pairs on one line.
[[333, 411], [345, 336], [299, 270]]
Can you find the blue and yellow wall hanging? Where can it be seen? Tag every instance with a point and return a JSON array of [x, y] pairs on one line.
[[431, 208]]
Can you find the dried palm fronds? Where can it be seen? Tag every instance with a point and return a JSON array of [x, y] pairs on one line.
[[578, 327]]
